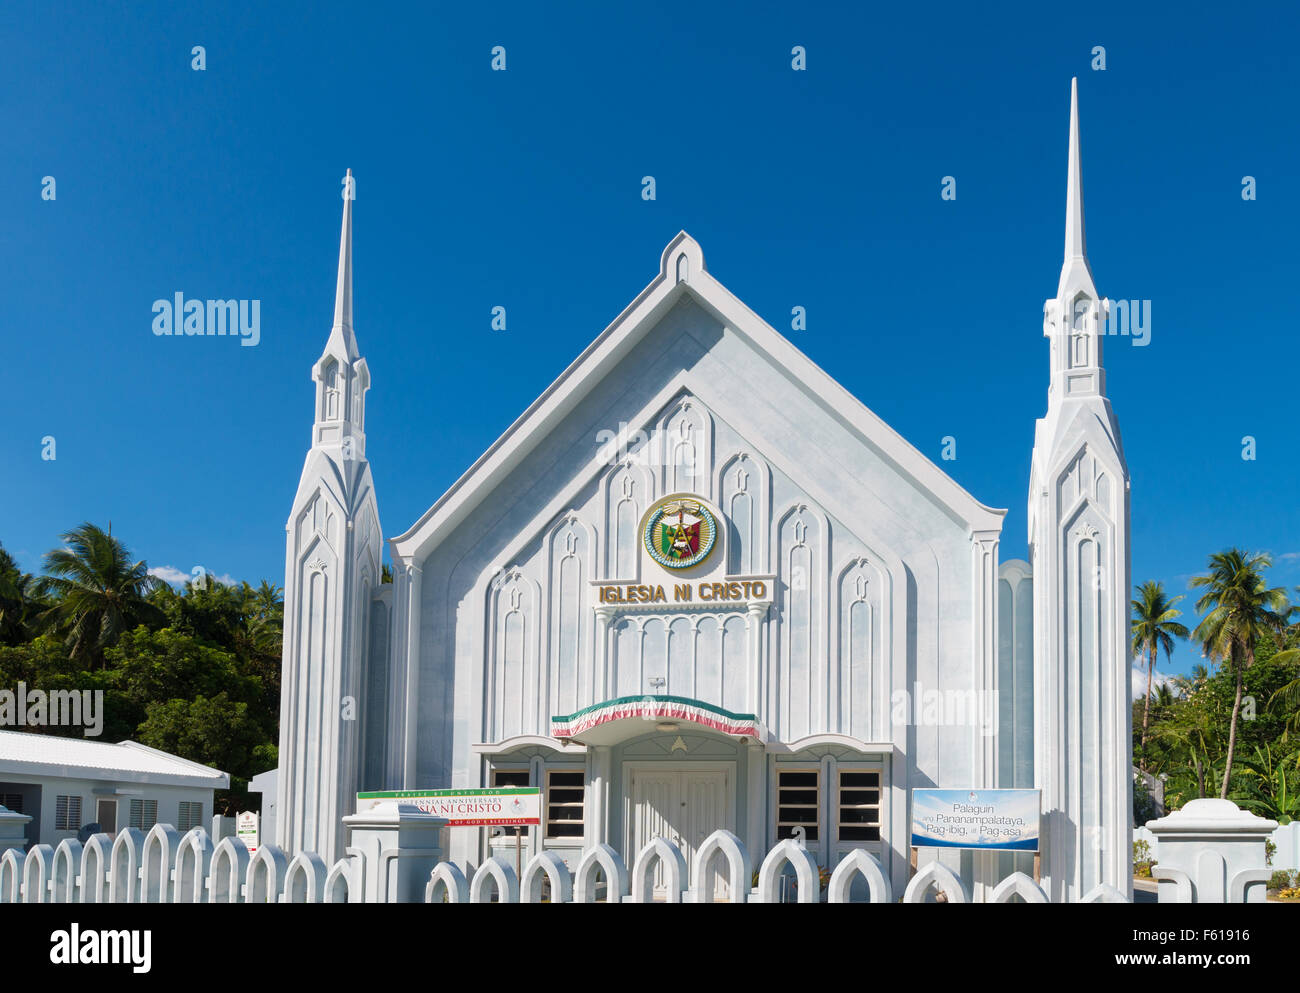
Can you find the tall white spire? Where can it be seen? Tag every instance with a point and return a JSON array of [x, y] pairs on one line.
[[343, 295], [1075, 243], [1076, 274]]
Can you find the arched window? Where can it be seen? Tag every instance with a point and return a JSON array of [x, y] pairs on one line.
[[330, 391]]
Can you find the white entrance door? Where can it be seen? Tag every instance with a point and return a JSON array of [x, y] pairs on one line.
[[684, 804]]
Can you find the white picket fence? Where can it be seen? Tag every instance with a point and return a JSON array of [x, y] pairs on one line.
[[1286, 838], [164, 866], [721, 854]]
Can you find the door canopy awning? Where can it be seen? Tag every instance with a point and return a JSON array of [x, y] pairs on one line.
[[630, 716]]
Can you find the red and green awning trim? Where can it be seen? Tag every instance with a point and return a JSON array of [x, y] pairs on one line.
[[653, 708]]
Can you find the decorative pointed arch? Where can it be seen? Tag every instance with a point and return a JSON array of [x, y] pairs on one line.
[[36, 874], [96, 862], [570, 554], [11, 875], [628, 489], [604, 859], [1018, 885], [446, 884], [65, 886], [193, 859], [338, 885], [266, 872], [859, 681], [801, 538], [552, 867], [226, 872], [942, 879], [805, 870], [157, 857], [725, 845], [744, 490], [658, 849], [513, 649], [859, 862], [304, 880], [686, 448], [500, 872], [127, 862]]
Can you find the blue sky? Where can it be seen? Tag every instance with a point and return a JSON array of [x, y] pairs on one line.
[[817, 188]]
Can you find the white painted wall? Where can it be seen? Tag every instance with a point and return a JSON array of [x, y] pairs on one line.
[[168, 798]]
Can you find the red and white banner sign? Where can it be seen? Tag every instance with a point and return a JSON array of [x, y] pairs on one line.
[[507, 805]]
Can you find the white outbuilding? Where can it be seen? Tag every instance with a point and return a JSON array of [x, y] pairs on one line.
[[63, 784]]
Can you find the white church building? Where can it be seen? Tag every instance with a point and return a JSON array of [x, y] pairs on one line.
[[699, 585]]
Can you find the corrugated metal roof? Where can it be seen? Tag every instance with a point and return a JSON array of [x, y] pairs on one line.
[[91, 759]]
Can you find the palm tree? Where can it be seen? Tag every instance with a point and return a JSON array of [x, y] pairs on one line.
[[268, 599], [1289, 694], [97, 592], [1154, 628], [16, 603], [264, 618], [1186, 738], [1240, 607]]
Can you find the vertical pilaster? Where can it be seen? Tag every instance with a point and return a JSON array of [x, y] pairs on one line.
[[984, 655], [756, 798], [600, 654], [755, 684], [984, 679], [410, 763]]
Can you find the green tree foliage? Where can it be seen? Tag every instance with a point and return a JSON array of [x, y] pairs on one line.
[[194, 671], [96, 593], [1241, 610], [1270, 786], [216, 731], [1144, 804], [1154, 629], [18, 603], [1232, 723]]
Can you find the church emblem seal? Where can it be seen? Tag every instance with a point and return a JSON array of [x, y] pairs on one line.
[[680, 532]]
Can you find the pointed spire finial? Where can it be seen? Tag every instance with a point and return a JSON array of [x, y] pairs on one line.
[[343, 295], [1075, 245]]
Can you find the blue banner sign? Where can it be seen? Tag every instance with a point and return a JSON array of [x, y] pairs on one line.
[[989, 820]]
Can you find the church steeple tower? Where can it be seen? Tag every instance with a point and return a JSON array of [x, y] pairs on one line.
[[342, 376], [1079, 550], [1075, 319], [332, 570]]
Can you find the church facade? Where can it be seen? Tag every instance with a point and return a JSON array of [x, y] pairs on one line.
[[698, 585]]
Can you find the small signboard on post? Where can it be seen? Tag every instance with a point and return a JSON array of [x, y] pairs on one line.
[[985, 820], [248, 830]]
